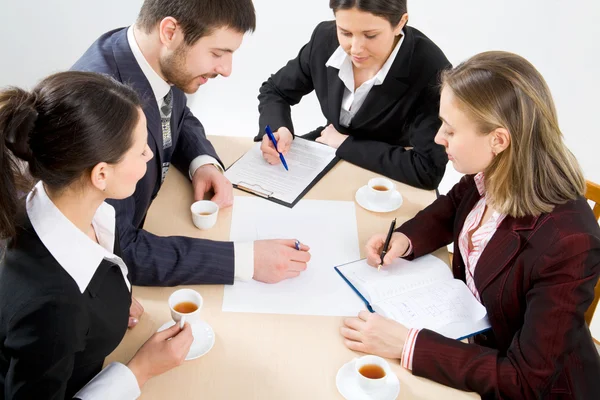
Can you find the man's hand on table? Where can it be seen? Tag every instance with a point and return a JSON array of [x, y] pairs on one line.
[[207, 178], [276, 260]]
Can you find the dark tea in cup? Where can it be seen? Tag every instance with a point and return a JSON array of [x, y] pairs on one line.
[[372, 371], [380, 191], [380, 188], [185, 307]]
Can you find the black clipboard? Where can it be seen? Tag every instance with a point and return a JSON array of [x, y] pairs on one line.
[[259, 191]]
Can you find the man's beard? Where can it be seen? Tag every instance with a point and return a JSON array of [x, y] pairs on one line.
[[173, 69]]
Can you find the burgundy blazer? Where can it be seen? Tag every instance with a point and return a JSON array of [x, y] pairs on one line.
[[536, 279]]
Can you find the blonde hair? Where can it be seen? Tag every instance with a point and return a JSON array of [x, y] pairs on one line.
[[537, 171]]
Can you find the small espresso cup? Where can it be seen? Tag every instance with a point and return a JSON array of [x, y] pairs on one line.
[[372, 373], [185, 302], [204, 214], [381, 190]]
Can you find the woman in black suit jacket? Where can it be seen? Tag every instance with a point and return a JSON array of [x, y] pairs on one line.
[[377, 83], [65, 295]]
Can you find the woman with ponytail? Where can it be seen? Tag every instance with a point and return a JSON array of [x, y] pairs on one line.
[[64, 293]]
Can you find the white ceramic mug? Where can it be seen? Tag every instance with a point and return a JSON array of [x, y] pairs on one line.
[[185, 295], [369, 385], [204, 214], [381, 196]]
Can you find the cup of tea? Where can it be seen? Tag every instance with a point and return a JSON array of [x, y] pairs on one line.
[[185, 302], [204, 214], [381, 190], [372, 373]]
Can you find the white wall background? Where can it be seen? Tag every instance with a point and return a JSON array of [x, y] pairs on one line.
[[38, 37]]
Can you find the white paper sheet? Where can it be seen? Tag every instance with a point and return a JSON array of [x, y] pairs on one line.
[[328, 227], [433, 306], [306, 160], [397, 278]]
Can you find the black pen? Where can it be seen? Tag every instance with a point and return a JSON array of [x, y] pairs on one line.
[[387, 242]]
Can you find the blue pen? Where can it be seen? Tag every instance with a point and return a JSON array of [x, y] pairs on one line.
[[272, 137]]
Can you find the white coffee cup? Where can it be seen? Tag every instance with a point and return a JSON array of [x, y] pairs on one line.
[[369, 385], [204, 214], [381, 190], [185, 296]]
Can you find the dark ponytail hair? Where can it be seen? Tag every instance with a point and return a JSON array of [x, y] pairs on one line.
[[392, 10], [66, 125]]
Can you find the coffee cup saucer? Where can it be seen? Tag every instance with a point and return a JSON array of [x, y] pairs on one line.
[[362, 198], [347, 385], [204, 338]]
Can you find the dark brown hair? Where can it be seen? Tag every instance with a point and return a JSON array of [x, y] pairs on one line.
[[199, 18], [67, 124], [392, 10]]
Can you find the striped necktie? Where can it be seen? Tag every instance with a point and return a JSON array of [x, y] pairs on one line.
[[165, 117]]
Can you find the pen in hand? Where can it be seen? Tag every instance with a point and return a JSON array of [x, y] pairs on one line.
[[387, 243], [271, 136]]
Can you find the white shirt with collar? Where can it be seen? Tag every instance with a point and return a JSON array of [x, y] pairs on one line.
[[243, 251], [352, 99], [80, 257], [160, 89]]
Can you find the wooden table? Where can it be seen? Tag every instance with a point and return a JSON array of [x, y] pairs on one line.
[[263, 356]]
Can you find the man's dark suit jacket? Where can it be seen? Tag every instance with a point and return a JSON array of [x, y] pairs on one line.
[[536, 279], [401, 112], [153, 260]]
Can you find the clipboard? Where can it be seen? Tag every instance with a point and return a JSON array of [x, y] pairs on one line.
[[261, 191]]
